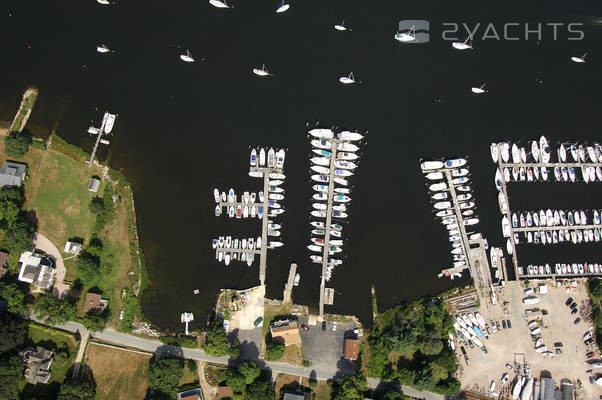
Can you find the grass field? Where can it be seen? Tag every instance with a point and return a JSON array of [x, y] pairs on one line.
[[52, 340], [119, 374], [322, 390]]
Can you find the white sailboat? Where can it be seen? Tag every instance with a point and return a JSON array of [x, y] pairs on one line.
[[103, 2], [283, 7], [101, 48], [465, 45], [186, 57], [263, 71], [347, 79], [409, 36], [219, 3], [579, 60], [341, 26], [479, 89]]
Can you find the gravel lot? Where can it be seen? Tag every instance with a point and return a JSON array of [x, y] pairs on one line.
[[558, 326]]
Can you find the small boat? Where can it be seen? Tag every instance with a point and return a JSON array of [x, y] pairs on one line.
[[515, 154], [455, 163], [261, 157], [345, 164], [339, 214], [544, 173], [260, 212], [296, 280], [271, 158], [544, 150], [347, 79], [218, 211], [283, 7], [322, 133], [342, 172], [231, 196], [275, 244], [219, 3], [320, 196], [504, 151], [498, 179], [479, 89], [527, 390], [341, 198], [408, 36], [437, 187], [253, 158], [321, 161], [227, 258], [277, 175], [258, 242], [341, 27], [263, 71], [562, 152], [216, 195], [465, 45], [347, 156], [103, 2], [347, 147], [518, 387], [315, 258], [101, 48], [318, 214], [442, 205], [320, 178], [321, 144], [494, 152], [431, 165], [319, 206], [316, 248], [341, 181], [187, 57], [320, 170], [320, 188], [434, 176], [579, 60]]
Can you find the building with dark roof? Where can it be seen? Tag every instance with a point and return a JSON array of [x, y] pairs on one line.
[[12, 174], [37, 364], [286, 330], [94, 302], [195, 394], [546, 389]]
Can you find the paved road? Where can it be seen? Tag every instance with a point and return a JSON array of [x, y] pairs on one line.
[[155, 346]]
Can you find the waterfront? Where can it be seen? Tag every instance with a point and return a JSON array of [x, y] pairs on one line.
[[414, 100]]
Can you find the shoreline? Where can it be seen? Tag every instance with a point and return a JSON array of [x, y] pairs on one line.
[[30, 95]]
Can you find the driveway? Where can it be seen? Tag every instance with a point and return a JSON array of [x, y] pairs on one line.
[[324, 348], [41, 242], [250, 342]]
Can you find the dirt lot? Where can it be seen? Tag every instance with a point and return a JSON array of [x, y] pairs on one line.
[[245, 317], [504, 345], [119, 374]]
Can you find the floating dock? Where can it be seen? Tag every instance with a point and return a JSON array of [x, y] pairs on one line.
[[268, 170], [340, 152], [105, 128], [513, 166]]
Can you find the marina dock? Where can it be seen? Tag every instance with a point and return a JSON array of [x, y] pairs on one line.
[[266, 172], [516, 168], [108, 119]]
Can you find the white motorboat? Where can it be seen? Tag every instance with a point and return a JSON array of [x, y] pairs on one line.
[[320, 196], [319, 206], [505, 226], [109, 122], [437, 187], [320, 170], [455, 163], [321, 144], [342, 172], [103, 2], [495, 153], [579, 60], [322, 133], [431, 165], [320, 188], [277, 175], [527, 390], [439, 196], [347, 79], [544, 150], [283, 7], [321, 161], [219, 3], [478, 89], [504, 151], [562, 152], [347, 156], [408, 36], [216, 195], [498, 179], [515, 154], [275, 196], [102, 48], [315, 258], [271, 158], [187, 57], [348, 135], [341, 181], [434, 176], [345, 164], [261, 157], [227, 259], [341, 27], [275, 244], [253, 158], [465, 45], [318, 214], [344, 146], [460, 172], [320, 178], [442, 205], [263, 71], [341, 198], [518, 387]]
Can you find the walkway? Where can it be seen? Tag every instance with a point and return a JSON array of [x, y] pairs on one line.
[[154, 346], [41, 242]]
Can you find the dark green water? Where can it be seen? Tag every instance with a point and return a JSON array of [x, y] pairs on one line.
[[186, 128]]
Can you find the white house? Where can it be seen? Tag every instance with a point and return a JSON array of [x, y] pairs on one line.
[[36, 269]]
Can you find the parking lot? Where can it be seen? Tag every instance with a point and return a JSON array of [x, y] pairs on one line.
[[324, 348], [557, 326]]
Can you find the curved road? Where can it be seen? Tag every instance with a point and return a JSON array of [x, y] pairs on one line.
[[155, 346], [43, 243]]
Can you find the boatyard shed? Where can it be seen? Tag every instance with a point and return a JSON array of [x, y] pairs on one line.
[[94, 184], [37, 364], [12, 174], [351, 349], [94, 302], [286, 330]]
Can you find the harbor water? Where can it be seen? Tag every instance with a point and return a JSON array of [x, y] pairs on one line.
[[184, 129]]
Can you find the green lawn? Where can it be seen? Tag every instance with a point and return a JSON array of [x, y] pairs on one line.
[[53, 339]]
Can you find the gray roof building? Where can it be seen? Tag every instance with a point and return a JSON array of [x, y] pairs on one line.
[[93, 185], [568, 390], [73, 248], [37, 364], [296, 396], [12, 174], [546, 389], [36, 269]]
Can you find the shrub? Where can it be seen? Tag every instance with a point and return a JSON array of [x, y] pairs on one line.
[[306, 363], [313, 382], [17, 144], [274, 350]]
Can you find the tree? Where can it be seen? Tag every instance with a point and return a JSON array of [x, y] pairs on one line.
[[12, 194], [350, 387], [234, 349], [274, 350], [216, 342], [235, 380], [97, 205], [9, 212], [11, 373], [88, 268], [17, 143], [250, 370], [393, 394], [19, 236], [13, 332], [432, 347], [14, 297], [164, 374], [95, 320], [77, 389], [54, 311], [261, 389]]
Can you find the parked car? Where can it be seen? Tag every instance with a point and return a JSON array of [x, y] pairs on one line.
[[558, 351], [558, 344], [544, 312], [467, 360], [574, 311], [509, 323], [121, 314], [504, 323], [258, 321], [589, 354], [573, 305], [463, 350], [568, 301], [588, 341], [591, 380], [577, 321], [323, 325], [305, 327], [505, 377], [334, 326], [497, 324], [509, 366]]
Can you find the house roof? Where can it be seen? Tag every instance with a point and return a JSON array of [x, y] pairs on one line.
[[286, 330], [37, 361], [293, 396], [35, 269], [12, 173], [93, 302], [93, 185], [194, 394], [73, 247], [224, 392], [351, 349]]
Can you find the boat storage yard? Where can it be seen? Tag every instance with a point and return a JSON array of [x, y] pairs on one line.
[[573, 162], [269, 165], [333, 162]]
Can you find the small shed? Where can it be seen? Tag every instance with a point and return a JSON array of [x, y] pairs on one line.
[[94, 184], [543, 289], [73, 248]]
